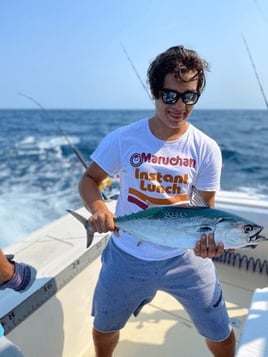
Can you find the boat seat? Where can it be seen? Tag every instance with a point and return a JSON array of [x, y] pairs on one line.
[[254, 338]]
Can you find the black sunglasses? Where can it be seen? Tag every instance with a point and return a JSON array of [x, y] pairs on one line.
[[170, 96]]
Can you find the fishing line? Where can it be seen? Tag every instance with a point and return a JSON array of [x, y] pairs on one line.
[[249, 54], [136, 72], [106, 182], [75, 150], [260, 11], [255, 71]]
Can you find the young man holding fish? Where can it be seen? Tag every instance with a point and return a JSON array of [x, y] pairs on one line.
[[158, 159]]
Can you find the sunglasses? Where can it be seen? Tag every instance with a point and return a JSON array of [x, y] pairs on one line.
[[170, 96]]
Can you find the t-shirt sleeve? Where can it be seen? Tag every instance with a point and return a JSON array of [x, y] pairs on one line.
[[107, 154], [209, 175]]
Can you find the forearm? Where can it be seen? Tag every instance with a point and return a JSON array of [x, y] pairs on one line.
[[90, 194], [102, 218]]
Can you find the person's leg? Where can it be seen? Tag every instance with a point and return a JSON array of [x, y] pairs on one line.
[[197, 288], [124, 286], [105, 343], [224, 348]]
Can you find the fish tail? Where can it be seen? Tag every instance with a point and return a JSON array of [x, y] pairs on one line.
[[90, 234], [87, 226]]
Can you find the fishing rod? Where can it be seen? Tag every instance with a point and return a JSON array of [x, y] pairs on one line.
[[135, 70], [106, 182], [251, 59], [75, 150], [255, 71]]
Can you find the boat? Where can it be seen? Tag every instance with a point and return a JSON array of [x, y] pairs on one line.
[[52, 318]]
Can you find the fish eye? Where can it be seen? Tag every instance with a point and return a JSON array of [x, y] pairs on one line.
[[248, 228]]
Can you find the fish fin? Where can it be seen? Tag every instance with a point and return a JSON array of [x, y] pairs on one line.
[[90, 234], [203, 228], [84, 221], [196, 199]]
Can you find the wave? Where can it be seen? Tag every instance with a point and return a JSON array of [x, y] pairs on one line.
[[45, 142]]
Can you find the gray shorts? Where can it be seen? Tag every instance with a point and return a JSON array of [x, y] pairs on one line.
[[126, 284]]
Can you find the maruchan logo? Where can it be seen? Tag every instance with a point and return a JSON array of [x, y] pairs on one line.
[[136, 160]]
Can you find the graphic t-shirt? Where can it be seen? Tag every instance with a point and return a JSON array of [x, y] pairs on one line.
[[156, 172]]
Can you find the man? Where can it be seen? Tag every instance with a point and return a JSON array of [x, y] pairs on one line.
[[158, 160]]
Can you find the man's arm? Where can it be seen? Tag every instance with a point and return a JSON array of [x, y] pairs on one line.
[[102, 220]]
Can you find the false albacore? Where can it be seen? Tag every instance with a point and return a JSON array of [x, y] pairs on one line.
[[182, 227]]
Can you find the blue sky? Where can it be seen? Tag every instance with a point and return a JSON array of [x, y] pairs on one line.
[[68, 54]]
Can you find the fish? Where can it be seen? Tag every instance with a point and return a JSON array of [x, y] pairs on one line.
[[182, 226]]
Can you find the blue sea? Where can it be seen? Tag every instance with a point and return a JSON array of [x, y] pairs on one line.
[[39, 170]]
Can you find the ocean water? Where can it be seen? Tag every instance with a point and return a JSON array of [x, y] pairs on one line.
[[39, 171]]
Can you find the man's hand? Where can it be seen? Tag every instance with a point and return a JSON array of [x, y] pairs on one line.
[[102, 220], [207, 248]]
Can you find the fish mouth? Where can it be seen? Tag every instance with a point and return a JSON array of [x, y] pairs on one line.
[[256, 236]]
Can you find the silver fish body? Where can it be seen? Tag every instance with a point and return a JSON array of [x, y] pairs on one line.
[[182, 227]]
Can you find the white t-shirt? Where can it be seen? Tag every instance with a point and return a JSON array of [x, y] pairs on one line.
[[156, 172]]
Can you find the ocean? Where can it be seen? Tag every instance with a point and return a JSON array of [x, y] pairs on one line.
[[39, 171]]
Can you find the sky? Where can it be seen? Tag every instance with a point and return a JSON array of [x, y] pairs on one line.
[[68, 54]]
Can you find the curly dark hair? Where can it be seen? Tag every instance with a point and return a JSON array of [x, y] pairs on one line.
[[177, 60]]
